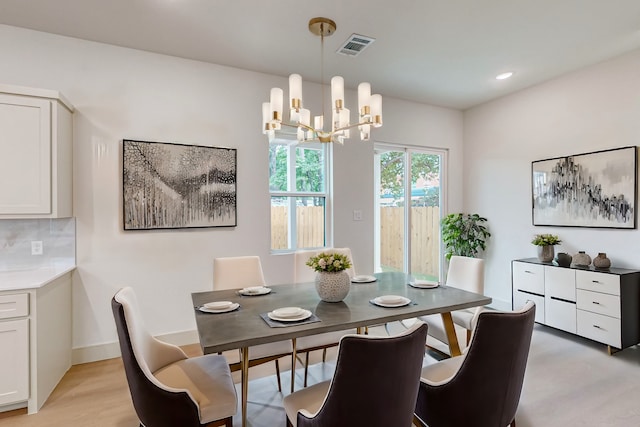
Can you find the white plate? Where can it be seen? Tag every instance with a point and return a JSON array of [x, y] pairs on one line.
[[305, 315], [288, 312], [363, 279], [217, 305], [258, 290], [232, 307], [385, 302], [424, 284]]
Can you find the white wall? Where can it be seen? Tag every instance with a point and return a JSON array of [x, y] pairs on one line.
[[593, 109], [122, 93]]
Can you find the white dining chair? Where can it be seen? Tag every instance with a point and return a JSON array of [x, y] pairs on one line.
[[303, 274], [464, 273], [245, 271]]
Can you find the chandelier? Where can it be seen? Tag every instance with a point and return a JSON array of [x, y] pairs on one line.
[[369, 106]]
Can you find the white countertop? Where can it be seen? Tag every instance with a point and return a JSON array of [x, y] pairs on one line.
[[36, 278]]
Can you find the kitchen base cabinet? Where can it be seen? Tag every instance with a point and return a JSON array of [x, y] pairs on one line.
[[35, 343], [601, 305]]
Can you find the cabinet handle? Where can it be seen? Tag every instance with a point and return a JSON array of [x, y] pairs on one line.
[[598, 327], [596, 281], [595, 302], [528, 271]]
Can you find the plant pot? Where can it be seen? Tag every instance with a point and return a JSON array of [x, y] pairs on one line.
[[545, 253], [332, 286]]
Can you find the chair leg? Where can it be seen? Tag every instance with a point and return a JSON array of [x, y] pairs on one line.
[[306, 368], [468, 336], [324, 355], [278, 376]]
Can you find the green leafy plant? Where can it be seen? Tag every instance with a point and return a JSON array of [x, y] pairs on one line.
[[329, 261], [545, 240], [464, 234]]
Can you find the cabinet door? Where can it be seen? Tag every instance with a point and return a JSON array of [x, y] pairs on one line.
[[14, 361], [560, 283], [528, 277], [560, 314], [25, 155]]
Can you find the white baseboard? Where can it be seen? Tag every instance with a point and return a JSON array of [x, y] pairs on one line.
[[110, 350]]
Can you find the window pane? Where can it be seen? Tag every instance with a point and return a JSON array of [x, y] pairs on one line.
[[310, 222], [391, 211], [308, 227], [425, 215], [278, 167], [309, 169]]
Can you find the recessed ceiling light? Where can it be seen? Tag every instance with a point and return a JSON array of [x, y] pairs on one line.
[[504, 75]]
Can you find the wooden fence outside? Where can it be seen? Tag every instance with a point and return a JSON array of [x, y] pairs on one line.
[[425, 235]]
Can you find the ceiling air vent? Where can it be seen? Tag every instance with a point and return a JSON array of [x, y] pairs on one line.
[[355, 44]]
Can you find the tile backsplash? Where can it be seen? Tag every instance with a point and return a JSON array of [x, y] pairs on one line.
[[58, 237]]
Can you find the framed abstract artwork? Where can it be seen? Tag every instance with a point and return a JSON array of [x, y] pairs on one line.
[[167, 185], [586, 190]]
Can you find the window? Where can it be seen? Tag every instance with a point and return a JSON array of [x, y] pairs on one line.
[[298, 188], [409, 207]]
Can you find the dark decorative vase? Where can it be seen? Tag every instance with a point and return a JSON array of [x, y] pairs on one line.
[[563, 259], [545, 253], [581, 259], [601, 261]]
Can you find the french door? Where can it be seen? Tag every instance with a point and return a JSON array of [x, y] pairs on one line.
[[409, 204]]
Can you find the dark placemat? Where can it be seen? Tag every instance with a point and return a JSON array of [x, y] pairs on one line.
[[277, 324]]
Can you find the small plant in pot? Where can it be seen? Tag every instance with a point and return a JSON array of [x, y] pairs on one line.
[[332, 281], [545, 244], [464, 234]]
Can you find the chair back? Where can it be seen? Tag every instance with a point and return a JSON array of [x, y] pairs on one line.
[[237, 272], [485, 391], [375, 382], [302, 272], [156, 405], [466, 273]]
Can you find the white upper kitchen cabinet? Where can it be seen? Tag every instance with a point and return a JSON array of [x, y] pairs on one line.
[[36, 158]]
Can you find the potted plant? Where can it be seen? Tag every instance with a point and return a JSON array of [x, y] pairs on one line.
[[545, 244], [464, 234], [332, 281]]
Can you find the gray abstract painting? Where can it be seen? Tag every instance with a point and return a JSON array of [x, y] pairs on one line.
[[586, 190], [168, 185]]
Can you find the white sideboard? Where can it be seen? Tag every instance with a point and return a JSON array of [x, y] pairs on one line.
[[35, 153], [35, 341], [602, 305]]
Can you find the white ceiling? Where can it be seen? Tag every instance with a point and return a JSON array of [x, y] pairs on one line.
[[441, 52]]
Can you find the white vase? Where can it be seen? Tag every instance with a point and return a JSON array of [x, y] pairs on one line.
[[332, 286]]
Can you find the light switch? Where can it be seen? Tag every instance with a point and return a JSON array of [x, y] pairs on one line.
[[357, 215]]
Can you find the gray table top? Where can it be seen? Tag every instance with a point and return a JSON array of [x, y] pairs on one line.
[[245, 328]]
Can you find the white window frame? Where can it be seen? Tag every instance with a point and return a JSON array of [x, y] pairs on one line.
[[292, 234]]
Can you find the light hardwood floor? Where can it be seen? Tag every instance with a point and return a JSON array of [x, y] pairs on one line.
[[570, 381]]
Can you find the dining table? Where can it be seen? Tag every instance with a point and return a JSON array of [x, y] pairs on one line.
[[247, 326]]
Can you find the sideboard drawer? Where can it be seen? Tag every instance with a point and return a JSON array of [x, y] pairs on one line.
[[560, 314], [596, 302], [598, 282], [599, 328], [528, 277], [15, 305]]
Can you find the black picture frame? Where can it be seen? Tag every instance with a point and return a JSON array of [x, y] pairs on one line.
[[171, 186], [597, 189]]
